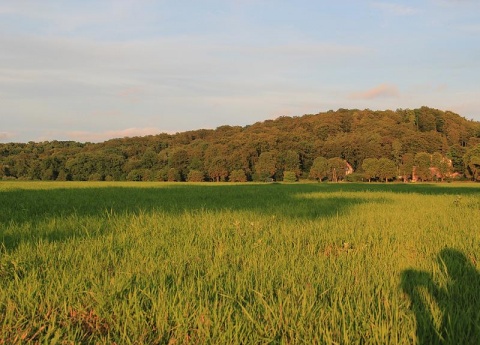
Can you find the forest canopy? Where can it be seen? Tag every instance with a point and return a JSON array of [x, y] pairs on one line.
[[422, 143]]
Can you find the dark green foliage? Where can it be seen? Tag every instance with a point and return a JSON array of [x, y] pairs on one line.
[[472, 163], [286, 144], [266, 166]]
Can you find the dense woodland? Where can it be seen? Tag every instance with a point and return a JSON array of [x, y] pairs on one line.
[[378, 145]]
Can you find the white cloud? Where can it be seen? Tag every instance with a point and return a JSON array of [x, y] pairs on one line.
[[156, 70]]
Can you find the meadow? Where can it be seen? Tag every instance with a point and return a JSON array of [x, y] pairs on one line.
[[313, 263]]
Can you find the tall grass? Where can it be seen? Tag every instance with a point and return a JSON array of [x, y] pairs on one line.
[[248, 264]]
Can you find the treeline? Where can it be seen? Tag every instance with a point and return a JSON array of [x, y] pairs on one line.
[[378, 145]]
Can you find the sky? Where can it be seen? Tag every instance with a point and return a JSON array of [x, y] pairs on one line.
[[92, 70]]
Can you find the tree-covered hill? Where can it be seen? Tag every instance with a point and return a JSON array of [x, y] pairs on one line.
[[401, 138]]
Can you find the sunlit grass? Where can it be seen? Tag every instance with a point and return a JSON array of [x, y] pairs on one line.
[[150, 263]]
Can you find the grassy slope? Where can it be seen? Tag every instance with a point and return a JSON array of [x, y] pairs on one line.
[[302, 263]]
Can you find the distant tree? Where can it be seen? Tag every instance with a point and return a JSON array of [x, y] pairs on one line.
[[36, 172], [387, 169], [472, 163], [307, 153], [217, 169], [238, 176], [371, 168], [81, 166], [293, 142], [397, 149], [266, 166], [441, 165], [135, 175], [319, 169], [99, 177], [179, 161], [47, 174], [337, 169], [195, 176], [445, 168], [162, 174], [290, 161], [173, 175], [406, 166], [422, 166], [196, 163], [149, 159], [63, 176], [474, 167], [426, 120], [456, 154]]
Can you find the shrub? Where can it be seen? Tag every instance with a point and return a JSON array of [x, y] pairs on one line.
[[135, 175], [195, 176], [289, 176], [354, 177], [238, 176]]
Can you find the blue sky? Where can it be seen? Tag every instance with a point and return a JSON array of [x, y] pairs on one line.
[[94, 70]]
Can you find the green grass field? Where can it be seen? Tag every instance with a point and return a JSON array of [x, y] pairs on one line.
[[153, 263]]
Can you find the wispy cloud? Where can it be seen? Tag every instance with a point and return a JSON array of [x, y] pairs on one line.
[[395, 9], [380, 91], [5, 136], [132, 94], [85, 136]]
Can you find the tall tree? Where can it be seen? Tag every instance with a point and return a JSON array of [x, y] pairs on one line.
[[387, 169], [319, 169], [406, 167], [179, 161], [195, 176], [238, 176], [217, 169], [441, 165], [266, 166], [456, 153], [337, 169], [422, 166], [371, 168], [290, 161], [472, 163]]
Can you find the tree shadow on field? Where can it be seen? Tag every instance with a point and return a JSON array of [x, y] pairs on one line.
[[458, 301], [22, 206], [409, 188]]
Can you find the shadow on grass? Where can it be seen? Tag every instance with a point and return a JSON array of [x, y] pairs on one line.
[[408, 188], [458, 301], [21, 206], [26, 206]]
